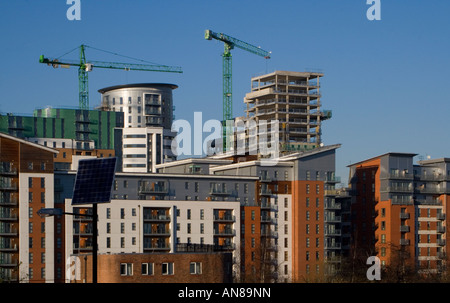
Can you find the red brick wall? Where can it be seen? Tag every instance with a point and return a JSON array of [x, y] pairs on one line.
[[216, 268]]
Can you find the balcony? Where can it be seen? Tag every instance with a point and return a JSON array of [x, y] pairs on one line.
[[333, 232], [267, 219], [401, 176], [156, 231], [440, 242], [404, 228], [156, 246], [267, 205], [398, 189], [8, 215], [265, 192], [331, 192], [160, 189], [156, 218], [7, 230], [7, 245], [332, 179], [265, 178], [84, 247], [219, 191], [440, 229], [8, 187], [331, 205], [225, 232], [404, 216], [440, 216], [333, 219], [8, 201], [6, 169], [404, 242], [332, 245], [224, 218]]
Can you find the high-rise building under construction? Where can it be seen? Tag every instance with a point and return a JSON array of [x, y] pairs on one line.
[[292, 98]]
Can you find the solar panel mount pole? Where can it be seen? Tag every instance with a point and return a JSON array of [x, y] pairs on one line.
[[94, 242]]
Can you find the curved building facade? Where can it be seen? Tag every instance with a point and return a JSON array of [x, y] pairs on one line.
[[145, 140], [143, 104]]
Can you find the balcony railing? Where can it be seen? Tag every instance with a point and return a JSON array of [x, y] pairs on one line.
[[162, 218], [157, 232], [219, 191], [404, 242], [224, 218], [225, 232], [265, 192], [404, 228], [156, 246], [440, 229], [153, 189], [404, 215]]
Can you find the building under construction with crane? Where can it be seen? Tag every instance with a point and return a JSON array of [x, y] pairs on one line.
[[242, 208]]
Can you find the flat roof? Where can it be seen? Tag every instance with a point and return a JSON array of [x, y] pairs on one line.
[[137, 85]]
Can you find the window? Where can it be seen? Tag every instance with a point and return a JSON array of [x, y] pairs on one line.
[[147, 269], [108, 242], [167, 268], [202, 228], [122, 213], [43, 197], [108, 213], [307, 188], [253, 215], [317, 189], [30, 182], [195, 268], [122, 242], [383, 212], [188, 214], [202, 214], [122, 228], [126, 269], [189, 228]]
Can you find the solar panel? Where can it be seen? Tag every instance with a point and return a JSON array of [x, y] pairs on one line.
[[94, 181]]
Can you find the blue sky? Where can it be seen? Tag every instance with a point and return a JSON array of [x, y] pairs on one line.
[[386, 81]]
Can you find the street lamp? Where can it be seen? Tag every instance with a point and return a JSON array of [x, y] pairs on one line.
[[50, 212]]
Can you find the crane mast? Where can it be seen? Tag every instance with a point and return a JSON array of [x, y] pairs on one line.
[[229, 44]]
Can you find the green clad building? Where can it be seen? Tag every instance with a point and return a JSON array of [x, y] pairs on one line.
[[86, 129]]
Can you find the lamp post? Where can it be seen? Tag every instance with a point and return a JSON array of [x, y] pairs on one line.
[[49, 212]]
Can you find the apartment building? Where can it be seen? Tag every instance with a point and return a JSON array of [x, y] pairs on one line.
[[299, 238], [399, 210], [26, 185], [146, 137]]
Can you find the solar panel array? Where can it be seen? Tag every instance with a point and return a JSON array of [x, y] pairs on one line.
[[94, 181]]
